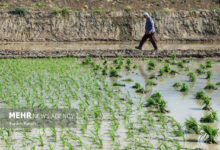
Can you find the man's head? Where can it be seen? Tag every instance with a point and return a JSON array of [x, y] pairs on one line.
[[146, 15]]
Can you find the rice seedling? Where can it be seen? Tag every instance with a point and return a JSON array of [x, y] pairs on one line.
[[151, 65], [87, 60], [167, 60], [156, 100], [152, 76], [192, 125], [180, 64], [202, 66], [159, 59], [218, 83], [184, 87], [173, 56], [200, 95], [209, 134], [167, 67], [128, 67], [54, 134], [206, 103], [135, 66], [186, 68], [200, 71], [209, 74], [210, 117], [173, 72], [144, 59], [208, 64], [129, 61], [128, 80], [116, 61], [136, 86], [210, 86], [41, 140], [161, 71], [179, 131], [118, 84], [192, 77], [177, 84], [113, 72], [151, 83], [185, 61], [140, 90]]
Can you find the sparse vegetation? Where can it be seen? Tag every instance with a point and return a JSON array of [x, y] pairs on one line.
[[21, 11]]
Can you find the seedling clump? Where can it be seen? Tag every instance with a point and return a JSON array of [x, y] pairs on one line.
[[192, 77], [210, 134], [184, 87], [192, 125], [210, 118], [210, 86]]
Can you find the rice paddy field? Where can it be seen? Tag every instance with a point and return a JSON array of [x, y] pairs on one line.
[[121, 103]]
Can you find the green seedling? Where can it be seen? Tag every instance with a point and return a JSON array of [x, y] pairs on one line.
[[167, 67], [173, 56], [113, 72], [87, 60], [209, 74], [210, 86], [152, 76], [135, 66], [129, 62], [118, 84], [184, 87], [128, 80], [140, 90], [192, 125], [202, 66], [161, 71], [192, 77], [173, 72], [210, 117], [128, 67], [208, 64], [159, 59], [177, 84], [210, 134], [218, 83], [151, 65], [136, 86], [180, 64], [185, 61], [200, 95], [144, 59], [167, 60], [200, 71], [151, 83], [206, 103]]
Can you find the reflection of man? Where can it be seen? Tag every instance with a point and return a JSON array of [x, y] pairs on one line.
[[149, 33]]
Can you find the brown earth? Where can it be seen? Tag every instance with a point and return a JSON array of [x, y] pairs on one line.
[[110, 5]]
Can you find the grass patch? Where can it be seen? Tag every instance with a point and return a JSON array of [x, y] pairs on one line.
[[21, 11]]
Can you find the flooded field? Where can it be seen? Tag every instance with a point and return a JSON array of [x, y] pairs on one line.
[[121, 103]]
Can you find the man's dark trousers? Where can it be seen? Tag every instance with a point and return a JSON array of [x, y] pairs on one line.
[[152, 39]]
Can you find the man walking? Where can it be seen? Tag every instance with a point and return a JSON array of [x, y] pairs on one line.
[[149, 33]]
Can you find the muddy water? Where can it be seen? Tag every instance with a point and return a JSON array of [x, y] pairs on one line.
[[90, 45], [181, 106]]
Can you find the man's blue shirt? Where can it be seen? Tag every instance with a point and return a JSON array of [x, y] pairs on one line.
[[149, 25]]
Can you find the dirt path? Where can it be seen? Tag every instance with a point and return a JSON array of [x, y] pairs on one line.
[[106, 49]]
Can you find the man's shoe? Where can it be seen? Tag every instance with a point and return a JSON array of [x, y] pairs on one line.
[[138, 47], [155, 51]]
